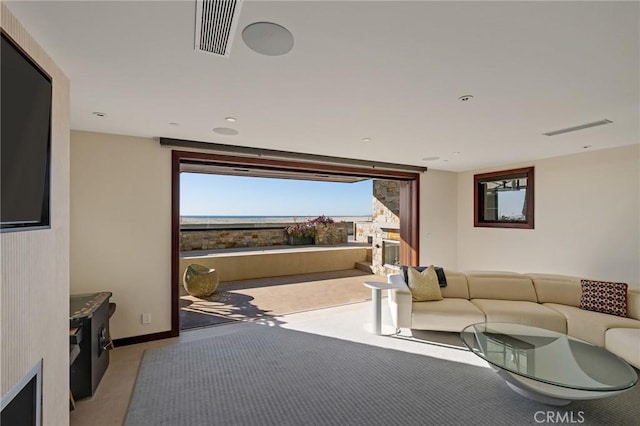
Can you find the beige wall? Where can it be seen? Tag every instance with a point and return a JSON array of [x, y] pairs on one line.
[[438, 219], [35, 265], [587, 223], [121, 227], [274, 263], [586, 220]]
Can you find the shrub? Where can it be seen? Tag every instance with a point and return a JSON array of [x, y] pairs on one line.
[[308, 228], [301, 230], [321, 219]]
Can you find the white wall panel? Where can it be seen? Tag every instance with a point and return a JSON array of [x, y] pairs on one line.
[[121, 227], [438, 219], [35, 265], [587, 220]]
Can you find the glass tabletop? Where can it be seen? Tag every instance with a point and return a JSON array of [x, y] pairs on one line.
[[548, 356]]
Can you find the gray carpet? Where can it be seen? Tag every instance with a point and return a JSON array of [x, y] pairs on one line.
[[273, 376]]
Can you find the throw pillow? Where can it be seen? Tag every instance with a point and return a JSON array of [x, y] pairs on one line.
[[605, 297], [424, 285], [442, 279]]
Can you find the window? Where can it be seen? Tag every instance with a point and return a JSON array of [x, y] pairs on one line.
[[504, 199]]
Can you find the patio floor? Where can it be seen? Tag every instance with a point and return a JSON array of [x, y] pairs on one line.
[[266, 298]]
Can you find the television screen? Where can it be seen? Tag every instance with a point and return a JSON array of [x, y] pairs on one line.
[[25, 144], [22, 404]]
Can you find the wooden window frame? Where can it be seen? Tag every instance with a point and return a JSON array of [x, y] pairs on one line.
[[478, 198]]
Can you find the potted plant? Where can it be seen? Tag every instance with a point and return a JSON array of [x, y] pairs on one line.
[[301, 233], [304, 233]]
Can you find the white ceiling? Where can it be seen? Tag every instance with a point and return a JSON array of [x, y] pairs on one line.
[[386, 70]]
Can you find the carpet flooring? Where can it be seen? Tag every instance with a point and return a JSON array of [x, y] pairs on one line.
[[273, 376], [252, 300]]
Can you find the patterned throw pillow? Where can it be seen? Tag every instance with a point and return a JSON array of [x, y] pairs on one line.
[[424, 285], [605, 297]]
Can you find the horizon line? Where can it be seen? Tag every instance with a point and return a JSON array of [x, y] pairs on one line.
[[270, 215]]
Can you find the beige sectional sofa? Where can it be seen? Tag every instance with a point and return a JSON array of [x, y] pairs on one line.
[[541, 300]]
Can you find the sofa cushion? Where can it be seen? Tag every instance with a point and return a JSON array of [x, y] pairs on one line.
[[399, 302], [624, 342], [451, 314], [633, 303], [501, 286], [521, 312], [605, 297], [424, 285], [456, 285], [591, 326], [561, 289]]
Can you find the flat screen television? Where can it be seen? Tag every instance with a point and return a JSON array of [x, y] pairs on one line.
[[25, 144], [22, 405]]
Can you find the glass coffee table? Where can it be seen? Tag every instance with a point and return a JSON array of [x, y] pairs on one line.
[[547, 366]]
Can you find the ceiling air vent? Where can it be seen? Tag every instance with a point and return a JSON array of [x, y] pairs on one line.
[[580, 127], [216, 22]]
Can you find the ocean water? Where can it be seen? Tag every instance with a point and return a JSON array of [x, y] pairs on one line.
[[264, 219]]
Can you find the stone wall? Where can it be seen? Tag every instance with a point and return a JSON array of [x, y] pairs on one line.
[[386, 201], [385, 223], [212, 239], [226, 238], [332, 233]]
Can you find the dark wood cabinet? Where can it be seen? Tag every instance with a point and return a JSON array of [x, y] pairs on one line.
[[89, 313]]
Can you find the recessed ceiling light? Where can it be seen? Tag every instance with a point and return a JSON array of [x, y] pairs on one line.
[[366, 139], [430, 158], [174, 124], [99, 114], [465, 98], [227, 131], [230, 119], [586, 147], [456, 153], [268, 38]]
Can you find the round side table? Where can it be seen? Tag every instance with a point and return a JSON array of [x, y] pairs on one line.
[[376, 298]]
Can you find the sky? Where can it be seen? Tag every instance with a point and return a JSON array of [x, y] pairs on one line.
[[218, 195], [510, 203]]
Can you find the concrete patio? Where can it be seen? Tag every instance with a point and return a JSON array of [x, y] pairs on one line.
[[257, 299]]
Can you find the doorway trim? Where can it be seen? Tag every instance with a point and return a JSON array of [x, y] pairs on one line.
[[409, 203]]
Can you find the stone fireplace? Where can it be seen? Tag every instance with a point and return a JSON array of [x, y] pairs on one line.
[[383, 232]]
